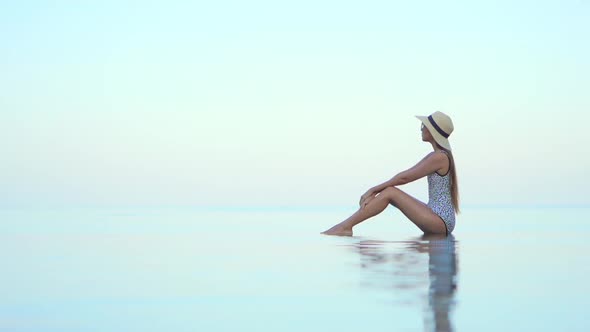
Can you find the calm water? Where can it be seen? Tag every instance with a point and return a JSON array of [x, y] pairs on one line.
[[271, 270]]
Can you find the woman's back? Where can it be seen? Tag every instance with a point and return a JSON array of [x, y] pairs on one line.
[[440, 198]]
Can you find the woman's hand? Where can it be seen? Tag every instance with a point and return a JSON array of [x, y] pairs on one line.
[[366, 198]]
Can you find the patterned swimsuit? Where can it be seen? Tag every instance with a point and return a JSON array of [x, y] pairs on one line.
[[439, 197]]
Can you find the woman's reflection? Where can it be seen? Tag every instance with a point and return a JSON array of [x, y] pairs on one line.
[[404, 269]]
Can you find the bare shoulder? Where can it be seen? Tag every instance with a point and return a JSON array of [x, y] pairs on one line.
[[429, 156], [436, 156], [437, 159]]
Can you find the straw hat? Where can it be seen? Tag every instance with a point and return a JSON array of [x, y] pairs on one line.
[[440, 126]]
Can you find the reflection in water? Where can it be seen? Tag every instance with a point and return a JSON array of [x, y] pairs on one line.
[[402, 265]]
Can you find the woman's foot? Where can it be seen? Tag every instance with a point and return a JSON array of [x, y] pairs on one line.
[[338, 230]]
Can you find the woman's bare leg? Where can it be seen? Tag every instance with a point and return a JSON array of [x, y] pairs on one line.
[[415, 210], [373, 208], [418, 212]]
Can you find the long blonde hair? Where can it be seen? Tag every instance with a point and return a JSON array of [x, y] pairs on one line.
[[454, 183]]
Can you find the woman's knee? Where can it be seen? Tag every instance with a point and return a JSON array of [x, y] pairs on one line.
[[391, 193]]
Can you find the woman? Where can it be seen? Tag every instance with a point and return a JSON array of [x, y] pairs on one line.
[[436, 217]]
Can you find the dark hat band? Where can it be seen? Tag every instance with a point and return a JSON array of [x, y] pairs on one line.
[[440, 131]]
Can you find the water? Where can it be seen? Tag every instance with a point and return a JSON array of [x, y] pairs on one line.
[[270, 270]]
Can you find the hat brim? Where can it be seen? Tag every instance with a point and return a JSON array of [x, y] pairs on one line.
[[440, 139]]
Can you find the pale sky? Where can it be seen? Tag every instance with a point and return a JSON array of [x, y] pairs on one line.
[[301, 103]]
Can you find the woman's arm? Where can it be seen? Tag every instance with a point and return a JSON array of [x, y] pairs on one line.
[[429, 164], [397, 180]]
